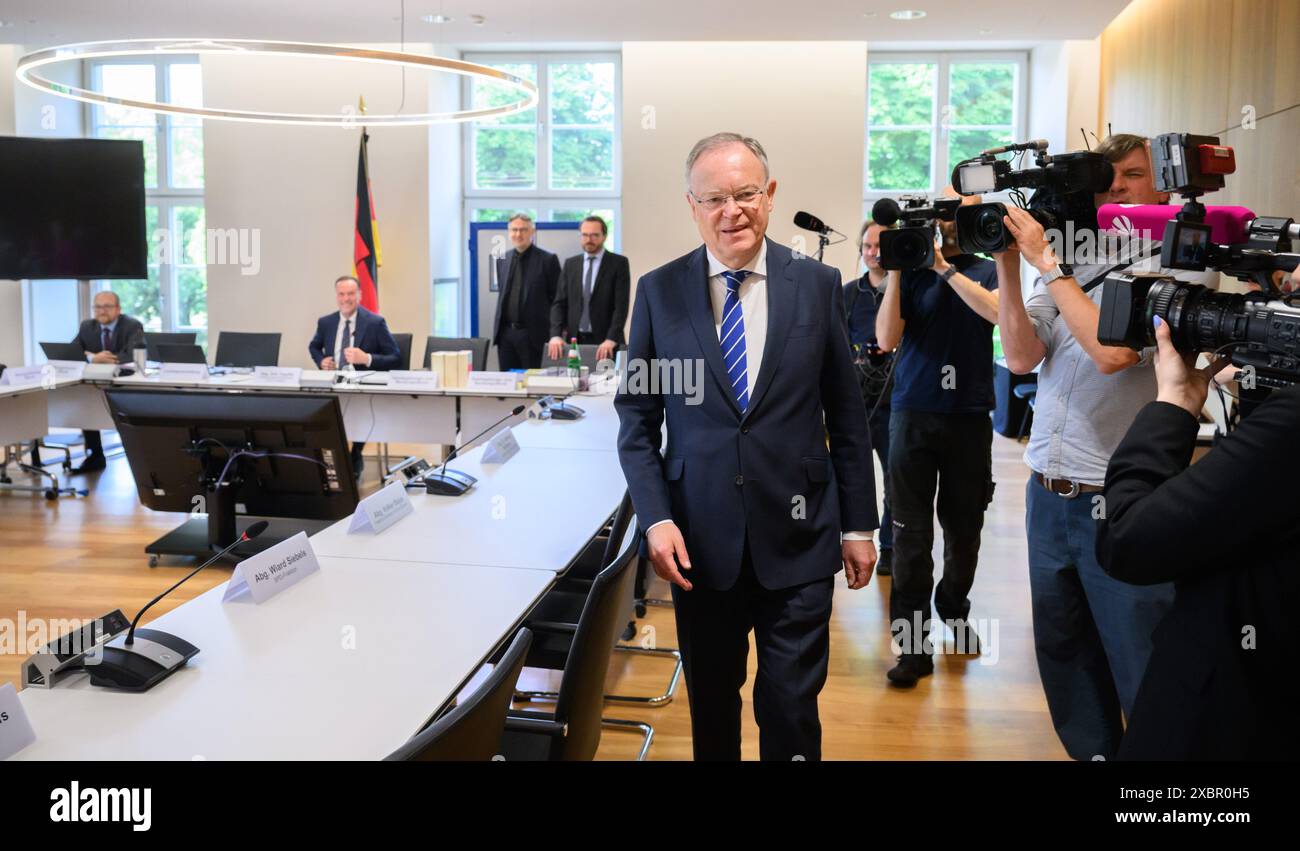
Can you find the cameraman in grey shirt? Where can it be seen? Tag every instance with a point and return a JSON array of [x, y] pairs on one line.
[[1092, 633]]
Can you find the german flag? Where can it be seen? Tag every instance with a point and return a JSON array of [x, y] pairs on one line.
[[365, 249]]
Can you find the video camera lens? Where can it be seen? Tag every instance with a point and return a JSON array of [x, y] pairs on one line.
[[907, 248]]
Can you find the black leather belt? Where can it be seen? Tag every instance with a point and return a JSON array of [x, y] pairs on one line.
[[1065, 487]]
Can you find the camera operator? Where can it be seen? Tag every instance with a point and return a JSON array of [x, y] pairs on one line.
[[1092, 634], [940, 435], [1218, 685], [862, 299]]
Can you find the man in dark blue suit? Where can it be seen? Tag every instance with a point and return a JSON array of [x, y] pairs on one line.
[[353, 337], [529, 277], [747, 514]]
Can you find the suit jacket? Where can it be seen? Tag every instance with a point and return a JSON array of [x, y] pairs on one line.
[[541, 282], [1218, 684], [128, 334], [766, 476], [370, 334], [609, 298]]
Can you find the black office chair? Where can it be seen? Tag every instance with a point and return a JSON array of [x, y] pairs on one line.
[[245, 350], [471, 731], [478, 346], [586, 351], [572, 731], [152, 339], [565, 602], [404, 350], [1028, 392]]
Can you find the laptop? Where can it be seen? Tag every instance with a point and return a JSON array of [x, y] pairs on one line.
[[64, 352], [173, 353]]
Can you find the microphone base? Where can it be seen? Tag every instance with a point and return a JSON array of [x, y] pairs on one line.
[[152, 658], [448, 483], [564, 411]]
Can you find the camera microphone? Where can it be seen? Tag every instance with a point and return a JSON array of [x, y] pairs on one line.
[[1031, 145], [885, 212]]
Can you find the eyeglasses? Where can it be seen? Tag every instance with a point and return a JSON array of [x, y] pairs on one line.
[[747, 198]]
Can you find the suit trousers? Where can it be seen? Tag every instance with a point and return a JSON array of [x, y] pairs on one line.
[[515, 352], [952, 453], [792, 634]]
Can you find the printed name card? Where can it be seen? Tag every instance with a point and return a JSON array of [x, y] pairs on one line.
[[183, 372], [507, 381], [288, 376], [501, 448], [68, 369], [414, 379], [16, 731], [273, 570], [19, 375], [380, 510]]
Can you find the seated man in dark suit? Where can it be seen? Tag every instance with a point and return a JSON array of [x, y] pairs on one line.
[[529, 278], [353, 337], [592, 300], [111, 337]]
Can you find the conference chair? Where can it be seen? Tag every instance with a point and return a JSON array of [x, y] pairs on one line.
[[572, 731], [471, 731], [565, 602], [153, 339], [404, 350], [478, 347], [245, 350], [586, 351]]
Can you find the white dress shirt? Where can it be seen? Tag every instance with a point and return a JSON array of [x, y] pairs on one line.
[[340, 344]]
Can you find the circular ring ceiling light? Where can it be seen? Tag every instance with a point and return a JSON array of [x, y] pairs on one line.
[[247, 48]]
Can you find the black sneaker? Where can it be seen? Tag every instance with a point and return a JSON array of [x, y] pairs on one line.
[[966, 641], [910, 668], [885, 564]]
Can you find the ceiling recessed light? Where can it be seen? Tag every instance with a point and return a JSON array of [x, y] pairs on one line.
[[907, 15], [869, 14], [437, 19], [477, 20]]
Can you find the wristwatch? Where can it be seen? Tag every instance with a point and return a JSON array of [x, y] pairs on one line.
[[1060, 270], [946, 274]]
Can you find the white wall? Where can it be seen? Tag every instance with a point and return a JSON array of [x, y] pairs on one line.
[[11, 293], [297, 186], [811, 125], [1063, 93]]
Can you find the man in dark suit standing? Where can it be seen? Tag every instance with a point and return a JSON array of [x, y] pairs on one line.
[[111, 337], [593, 296], [353, 338], [747, 514], [529, 278]]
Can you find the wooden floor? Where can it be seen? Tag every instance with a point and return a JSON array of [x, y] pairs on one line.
[[80, 557]]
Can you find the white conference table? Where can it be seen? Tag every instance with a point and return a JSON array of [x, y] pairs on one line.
[[281, 680], [352, 661]]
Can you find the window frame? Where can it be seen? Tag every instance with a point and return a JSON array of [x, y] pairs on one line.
[[164, 196], [543, 126], [943, 60]]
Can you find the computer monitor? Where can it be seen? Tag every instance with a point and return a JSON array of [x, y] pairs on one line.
[[235, 455], [183, 353], [244, 350], [63, 351], [152, 339]]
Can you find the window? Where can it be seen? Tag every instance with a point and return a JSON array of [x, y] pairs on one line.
[[174, 297], [567, 145], [928, 112]]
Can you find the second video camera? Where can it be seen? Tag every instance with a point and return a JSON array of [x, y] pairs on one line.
[[910, 246]]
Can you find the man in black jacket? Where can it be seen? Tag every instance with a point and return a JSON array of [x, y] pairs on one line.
[[591, 303], [1218, 683], [529, 277], [111, 337]]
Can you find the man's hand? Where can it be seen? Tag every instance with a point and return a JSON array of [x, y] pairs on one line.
[[859, 561], [940, 263], [605, 351], [356, 357], [1030, 239], [554, 348], [328, 363], [103, 357], [667, 552], [1178, 380]]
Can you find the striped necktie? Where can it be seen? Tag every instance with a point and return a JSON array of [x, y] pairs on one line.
[[732, 338]]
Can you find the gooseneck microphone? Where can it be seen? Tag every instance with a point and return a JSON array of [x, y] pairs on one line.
[[142, 658], [451, 482]]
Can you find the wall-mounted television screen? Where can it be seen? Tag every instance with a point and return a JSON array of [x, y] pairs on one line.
[[72, 208]]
